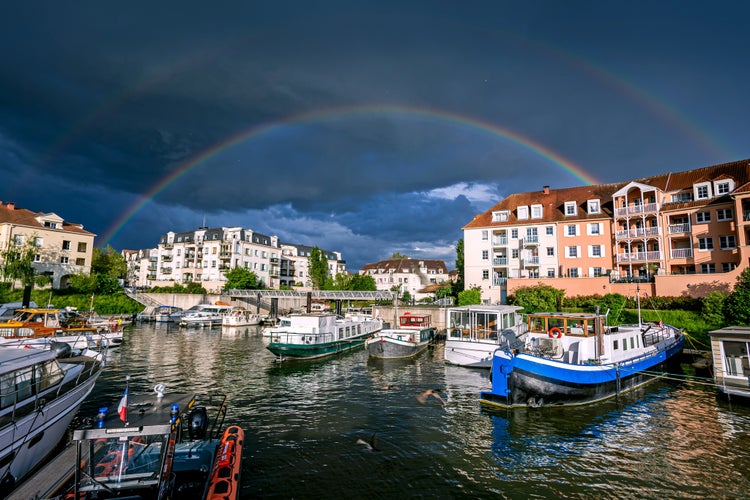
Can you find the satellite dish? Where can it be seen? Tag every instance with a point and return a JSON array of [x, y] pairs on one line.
[[159, 389]]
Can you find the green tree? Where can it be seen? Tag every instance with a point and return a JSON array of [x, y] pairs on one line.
[[458, 286], [398, 255], [737, 304], [363, 282], [17, 263], [537, 298], [470, 297], [240, 278], [109, 262], [318, 268], [406, 297]]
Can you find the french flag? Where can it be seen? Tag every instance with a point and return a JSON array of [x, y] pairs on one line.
[[122, 408]]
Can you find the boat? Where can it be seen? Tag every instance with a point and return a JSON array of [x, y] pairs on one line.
[[241, 317], [8, 310], [306, 336], [159, 445], [731, 368], [40, 393], [37, 326], [474, 332], [205, 315], [576, 358], [167, 314], [413, 335]]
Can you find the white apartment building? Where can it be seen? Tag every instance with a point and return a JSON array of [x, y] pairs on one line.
[[65, 248], [295, 268], [407, 275]]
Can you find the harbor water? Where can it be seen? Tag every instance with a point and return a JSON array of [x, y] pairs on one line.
[[303, 420]]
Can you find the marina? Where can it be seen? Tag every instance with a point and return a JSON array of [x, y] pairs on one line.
[[308, 416]]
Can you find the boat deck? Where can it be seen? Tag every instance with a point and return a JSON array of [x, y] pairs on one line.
[[50, 478]]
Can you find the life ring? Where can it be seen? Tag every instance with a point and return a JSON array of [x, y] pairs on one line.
[[555, 333]]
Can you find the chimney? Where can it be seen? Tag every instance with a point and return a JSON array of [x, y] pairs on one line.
[[11, 205], [545, 190]]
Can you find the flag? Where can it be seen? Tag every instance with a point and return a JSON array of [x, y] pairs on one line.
[[122, 408]]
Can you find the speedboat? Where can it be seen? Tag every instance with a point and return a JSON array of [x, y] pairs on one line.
[[413, 335], [476, 331], [576, 358], [205, 315], [241, 317], [39, 326], [306, 336], [40, 394], [167, 314]]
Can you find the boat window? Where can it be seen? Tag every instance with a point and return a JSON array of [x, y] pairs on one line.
[[736, 358], [624, 344], [632, 342], [614, 345], [47, 375], [23, 384], [124, 459], [7, 390]]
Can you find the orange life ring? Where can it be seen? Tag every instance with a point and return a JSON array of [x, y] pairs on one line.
[[555, 333]]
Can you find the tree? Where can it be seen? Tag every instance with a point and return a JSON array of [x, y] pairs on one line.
[[737, 304], [318, 268], [712, 307], [240, 278], [109, 262], [458, 286], [398, 255], [469, 297], [537, 298], [17, 263]]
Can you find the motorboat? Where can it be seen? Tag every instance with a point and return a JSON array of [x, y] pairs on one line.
[[576, 358], [241, 317], [413, 335], [167, 314], [205, 315], [305, 336], [39, 326], [40, 393], [474, 332]]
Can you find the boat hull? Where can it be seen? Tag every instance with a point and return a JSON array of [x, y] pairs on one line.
[[522, 380], [314, 350], [388, 348], [470, 354]]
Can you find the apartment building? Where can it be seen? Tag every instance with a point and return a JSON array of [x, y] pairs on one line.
[[64, 248], [204, 255], [408, 275], [671, 230]]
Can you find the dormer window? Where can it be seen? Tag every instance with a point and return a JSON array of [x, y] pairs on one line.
[[536, 211], [702, 191], [501, 216], [593, 207], [523, 213], [571, 208], [724, 186]]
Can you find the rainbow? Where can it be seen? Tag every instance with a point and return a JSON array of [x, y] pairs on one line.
[[350, 111]]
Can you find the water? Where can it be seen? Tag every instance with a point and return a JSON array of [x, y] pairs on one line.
[[302, 421]]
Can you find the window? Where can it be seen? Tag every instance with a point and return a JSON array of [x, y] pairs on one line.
[[38, 241], [514, 253], [573, 272], [571, 252], [485, 254], [724, 214], [550, 251], [18, 240], [593, 207], [550, 272], [596, 272], [66, 245], [571, 208], [705, 244], [726, 242], [701, 191], [594, 229], [80, 261], [702, 217], [81, 246], [595, 250], [723, 187], [37, 257], [676, 198], [485, 235], [514, 234], [536, 211], [550, 230], [485, 274], [63, 260], [523, 213], [52, 225], [571, 230], [501, 216], [728, 266], [708, 268]]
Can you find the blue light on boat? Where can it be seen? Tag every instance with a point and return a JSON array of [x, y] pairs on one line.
[[174, 412], [100, 417]]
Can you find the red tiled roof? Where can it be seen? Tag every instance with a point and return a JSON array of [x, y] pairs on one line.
[[10, 214], [404, 265]]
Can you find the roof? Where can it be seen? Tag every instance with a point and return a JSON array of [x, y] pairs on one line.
[[10, 214], [404, 266]]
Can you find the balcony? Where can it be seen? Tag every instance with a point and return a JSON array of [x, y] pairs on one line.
[[679, 228], [166, 258], [531, 240], [166, 270], [500, 261], [639, 232], [638, 256], [637, 209], [531, 261], [499, 281], [681, 253], [500, 241]]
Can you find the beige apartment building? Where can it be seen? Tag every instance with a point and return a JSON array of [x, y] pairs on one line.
[[680, 233], [64, 248], [407, 275]]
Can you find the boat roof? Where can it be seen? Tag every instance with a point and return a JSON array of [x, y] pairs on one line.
[[486, 308], [13, 358], [569, 315], [735, 332], [38, 310]]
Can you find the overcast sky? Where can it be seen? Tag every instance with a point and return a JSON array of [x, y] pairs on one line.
[[362, 127]]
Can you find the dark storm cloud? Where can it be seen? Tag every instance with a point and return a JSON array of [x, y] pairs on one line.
[[107, 100]]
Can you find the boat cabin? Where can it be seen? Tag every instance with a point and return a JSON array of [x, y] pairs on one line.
[[730, 350], [415, 321], [478, 322]]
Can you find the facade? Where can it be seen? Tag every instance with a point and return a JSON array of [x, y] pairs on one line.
[[65, 248], [408, 275], [204, 255], [673, 231]]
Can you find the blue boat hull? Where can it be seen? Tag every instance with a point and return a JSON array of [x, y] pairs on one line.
[[524, 380]]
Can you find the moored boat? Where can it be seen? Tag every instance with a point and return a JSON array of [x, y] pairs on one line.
[[241, 317], [39, 326], [413, 335], [159, 445], [474, 333], [731, 362], [575, 358], [39, 396], [205, 315], [305, 336], [167, 314]]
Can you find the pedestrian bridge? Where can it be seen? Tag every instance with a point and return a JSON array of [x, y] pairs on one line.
[[314, 294]]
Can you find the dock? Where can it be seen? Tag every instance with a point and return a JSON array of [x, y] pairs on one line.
[[46, 481]]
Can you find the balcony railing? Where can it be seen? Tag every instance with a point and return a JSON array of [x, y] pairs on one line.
[[681, 253], [500, 261], [531, 261], [638, 256], [639, 232], [679, 228], [500, 241], [531, 239], [499, 281], [636, 209]]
